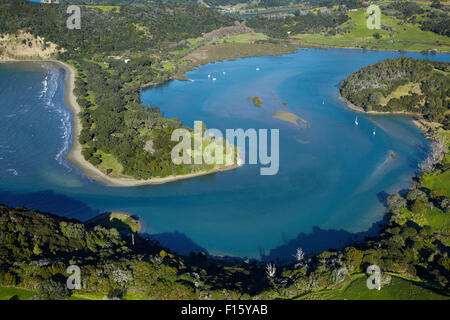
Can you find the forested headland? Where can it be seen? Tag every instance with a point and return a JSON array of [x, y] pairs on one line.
[[36, 249], [116, 53], [125, 46], [402, 85]]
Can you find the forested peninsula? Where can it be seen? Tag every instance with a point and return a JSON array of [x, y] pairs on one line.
[[114, 56], [402, 85], [36, 248], [123, 48]]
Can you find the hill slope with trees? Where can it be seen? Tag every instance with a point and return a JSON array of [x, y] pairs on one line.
[[115, 54], [402, 85]]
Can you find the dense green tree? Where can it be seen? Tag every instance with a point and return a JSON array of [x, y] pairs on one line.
[[51, 290], [368, 86], [395, 203]]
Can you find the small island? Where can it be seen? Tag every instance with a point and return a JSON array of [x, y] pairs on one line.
[[257, 101], [118, 140], [121, 221]]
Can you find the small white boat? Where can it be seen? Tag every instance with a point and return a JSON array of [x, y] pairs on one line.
[[257, 69], [209, 76], [356, 121], [224, 73], [214, 79], [374, 133]]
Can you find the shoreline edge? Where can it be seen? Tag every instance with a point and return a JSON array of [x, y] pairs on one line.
[[76, 158]]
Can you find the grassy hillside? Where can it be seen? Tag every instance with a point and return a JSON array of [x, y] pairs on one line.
[[119, 50], [36, 248], [404, 36], [398, 289], [12, 293]]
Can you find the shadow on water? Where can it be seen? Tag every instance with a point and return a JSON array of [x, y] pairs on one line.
[[61, 205], [317, 241], [320, 240], [177, 242], [49, 201], [382, 197]]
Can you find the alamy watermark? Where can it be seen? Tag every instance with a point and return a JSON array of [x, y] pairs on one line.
[[374, 18], [74, 280], [74, 21], [374, 279], [377, 279], [207, 147]]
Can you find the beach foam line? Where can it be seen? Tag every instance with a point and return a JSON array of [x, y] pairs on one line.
[[77, 159]]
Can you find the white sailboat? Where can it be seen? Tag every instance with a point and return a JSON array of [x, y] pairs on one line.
[[257, 69], [209, 76], [356, 121], [374, 133]]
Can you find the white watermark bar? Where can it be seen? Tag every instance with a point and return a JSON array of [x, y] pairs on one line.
[[74, 280], [210, 147], [74, 20]]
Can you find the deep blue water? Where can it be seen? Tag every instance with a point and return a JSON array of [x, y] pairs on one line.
[[333, 176]]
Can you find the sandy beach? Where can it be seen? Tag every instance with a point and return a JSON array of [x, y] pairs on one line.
[[75, 156], [90, 170], [418, 123]]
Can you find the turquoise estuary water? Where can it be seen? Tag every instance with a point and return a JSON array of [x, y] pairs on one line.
[[331, 184]]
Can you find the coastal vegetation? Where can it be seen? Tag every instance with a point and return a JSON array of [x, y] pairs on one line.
[[397, 33], [412, 252], [398, 289], [117, 262], [119, 135], [150, 43], [249, 45], [23, 45], [402, 85], [118, 220], [121, 50]]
